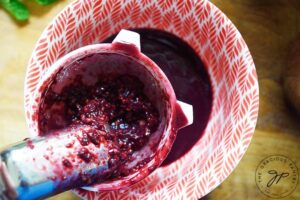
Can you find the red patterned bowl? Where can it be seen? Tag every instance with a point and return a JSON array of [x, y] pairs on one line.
[[228, 62]]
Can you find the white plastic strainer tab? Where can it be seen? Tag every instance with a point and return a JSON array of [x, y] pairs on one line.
[[128, 37]]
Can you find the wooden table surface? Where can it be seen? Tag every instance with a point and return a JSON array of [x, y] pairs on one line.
[[269, 28]]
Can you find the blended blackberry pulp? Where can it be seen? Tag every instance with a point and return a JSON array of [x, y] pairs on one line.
[[115, 109]]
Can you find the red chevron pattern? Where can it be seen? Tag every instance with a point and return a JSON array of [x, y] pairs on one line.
[[229, 63]]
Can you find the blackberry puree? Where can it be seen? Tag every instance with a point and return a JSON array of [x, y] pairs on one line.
[[115, 109]]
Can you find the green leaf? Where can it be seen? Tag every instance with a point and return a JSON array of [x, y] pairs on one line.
[[16, 9], [45, 2]]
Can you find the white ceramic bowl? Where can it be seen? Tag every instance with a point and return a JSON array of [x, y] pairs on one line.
[[229, 65]]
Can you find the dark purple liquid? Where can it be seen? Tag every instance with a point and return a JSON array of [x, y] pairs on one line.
[[189, 79]]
